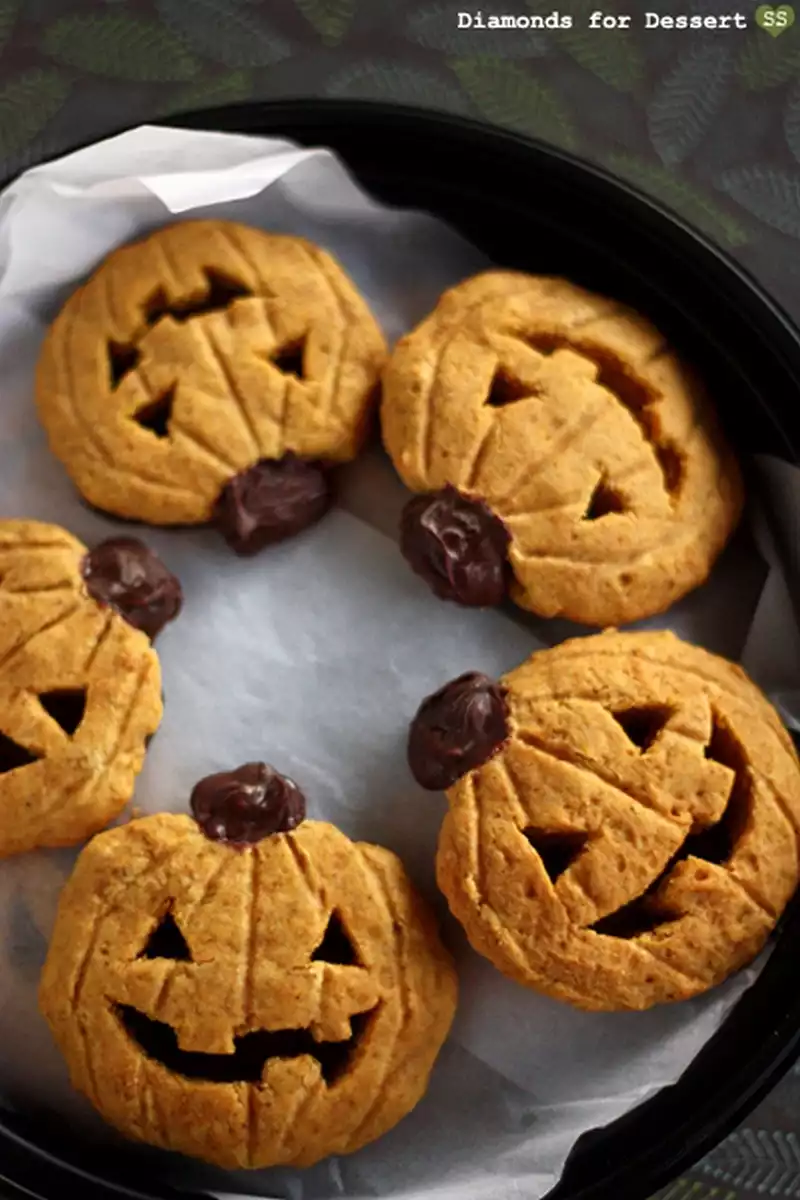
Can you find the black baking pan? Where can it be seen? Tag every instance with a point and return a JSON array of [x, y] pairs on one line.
[[531, 207]]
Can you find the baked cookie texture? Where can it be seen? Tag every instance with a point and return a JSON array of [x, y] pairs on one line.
[[317, 939], [571, 417], [80, 694], [636, 838], [197, 352]]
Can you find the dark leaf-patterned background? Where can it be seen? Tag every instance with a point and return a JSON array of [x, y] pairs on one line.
[[708, 122]]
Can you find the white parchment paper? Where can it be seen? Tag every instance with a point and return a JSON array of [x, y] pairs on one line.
[[314, 656]]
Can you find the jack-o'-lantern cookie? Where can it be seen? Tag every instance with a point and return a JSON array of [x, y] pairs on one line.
[[247, 987], [623, 817], [80, 685], [562, 453], [211, 371]]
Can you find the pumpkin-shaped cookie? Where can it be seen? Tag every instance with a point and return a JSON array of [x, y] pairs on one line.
[[206, 357], [562, 450], [80, 686], [623, 817], [267, 1002]]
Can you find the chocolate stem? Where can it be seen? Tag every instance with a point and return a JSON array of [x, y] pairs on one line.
[[126, 575], [247, 804], [456, 729], [270, 501], [458, 546]]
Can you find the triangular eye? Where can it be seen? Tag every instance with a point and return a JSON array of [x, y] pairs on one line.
[[642, 725], [506, 389], [67, 707], [557, 851], [336, 946], [289, 359], [121, 359], [12, 755], [167, 941], [604, 501], [156, 416]]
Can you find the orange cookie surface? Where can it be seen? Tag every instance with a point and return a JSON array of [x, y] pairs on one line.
[[198, 352], [252, 1005], [80, 694], [561, 449], [628, 833]]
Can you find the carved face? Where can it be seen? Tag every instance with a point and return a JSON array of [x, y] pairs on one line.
[[80, 694], [193, 354], [251, 1006], [572, 419], [634, 839]]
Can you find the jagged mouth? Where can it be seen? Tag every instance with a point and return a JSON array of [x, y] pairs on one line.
[[252, 1051]]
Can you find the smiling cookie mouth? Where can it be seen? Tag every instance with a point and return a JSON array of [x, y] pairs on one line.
[[252, 1051]]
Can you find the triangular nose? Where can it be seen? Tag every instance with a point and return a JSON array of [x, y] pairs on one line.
[[336, 946]]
